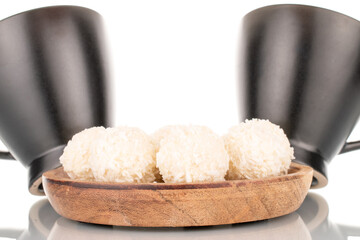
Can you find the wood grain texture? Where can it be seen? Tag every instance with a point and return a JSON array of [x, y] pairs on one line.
[[180, 204]]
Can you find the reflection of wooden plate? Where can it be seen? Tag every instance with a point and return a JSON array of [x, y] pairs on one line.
[[177, 204]]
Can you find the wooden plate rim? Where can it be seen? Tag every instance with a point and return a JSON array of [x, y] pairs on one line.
[[52, 178]]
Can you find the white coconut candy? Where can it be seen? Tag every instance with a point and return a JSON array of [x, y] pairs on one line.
[[257, 149]]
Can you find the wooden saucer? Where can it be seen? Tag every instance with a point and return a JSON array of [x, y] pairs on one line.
[[179, 204]]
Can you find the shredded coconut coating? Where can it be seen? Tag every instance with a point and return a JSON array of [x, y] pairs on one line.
[[77, 153], [157, 137], [163, 132], [257, 149], [124, 154], [190, 154]]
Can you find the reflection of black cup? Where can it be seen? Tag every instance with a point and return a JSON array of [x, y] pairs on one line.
[[300, 68], [53, 83], [314, 212]]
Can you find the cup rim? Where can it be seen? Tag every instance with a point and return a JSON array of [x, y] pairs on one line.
[[339, 14], [46, 8]]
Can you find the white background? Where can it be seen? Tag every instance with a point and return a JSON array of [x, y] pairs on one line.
[[175, 62]]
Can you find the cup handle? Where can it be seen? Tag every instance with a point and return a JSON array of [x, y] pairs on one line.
[[6, 155], [350, 146]]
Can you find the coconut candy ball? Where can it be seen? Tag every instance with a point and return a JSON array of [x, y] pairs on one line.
[[75, 158], [163, 132], [257, 149], [157, 137], [124, 154], [191, 154]]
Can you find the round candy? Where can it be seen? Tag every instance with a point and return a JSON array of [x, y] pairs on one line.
[[257, 149], [124, 154], [190, 154], [75, 158]]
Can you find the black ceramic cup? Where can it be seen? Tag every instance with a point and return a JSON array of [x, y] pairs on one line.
[[53, 84], [299, 67]]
